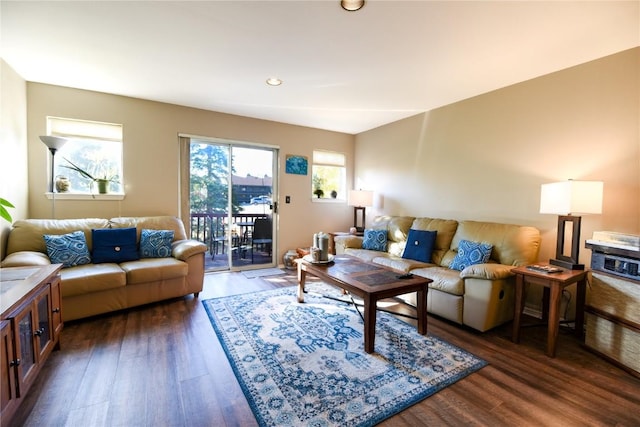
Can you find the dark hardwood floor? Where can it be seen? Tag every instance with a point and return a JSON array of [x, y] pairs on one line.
[[162, 365]]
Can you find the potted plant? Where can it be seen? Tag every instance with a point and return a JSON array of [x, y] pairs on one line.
[[318, 192], [103, 182], [4, 213]]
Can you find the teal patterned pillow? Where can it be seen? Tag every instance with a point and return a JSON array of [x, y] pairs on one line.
[[67, 249], [155, 243], [375, 240], [470, 253]]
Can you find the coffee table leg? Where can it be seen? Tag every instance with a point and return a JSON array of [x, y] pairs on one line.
[[302, 275], [422, 312], [369, 323]]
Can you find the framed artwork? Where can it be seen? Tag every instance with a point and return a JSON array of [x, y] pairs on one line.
[[296, 165]]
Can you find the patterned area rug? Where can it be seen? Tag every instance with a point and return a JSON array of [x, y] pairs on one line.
[[305, 365]]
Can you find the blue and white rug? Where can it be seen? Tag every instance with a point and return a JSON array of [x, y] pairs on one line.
[[305, 365]]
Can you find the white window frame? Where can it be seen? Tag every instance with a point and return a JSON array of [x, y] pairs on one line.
[[78, 130], [331, 159]]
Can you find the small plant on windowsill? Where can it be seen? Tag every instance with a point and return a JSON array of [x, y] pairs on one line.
[[102, 182], [4, 213], [318, 192]]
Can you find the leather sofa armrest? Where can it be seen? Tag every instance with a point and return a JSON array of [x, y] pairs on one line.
[[347, 242], [183, 249], [25, 259], [487, 271]]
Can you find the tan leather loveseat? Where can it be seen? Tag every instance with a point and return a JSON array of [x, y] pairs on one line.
[[480, 296], [93, 289]]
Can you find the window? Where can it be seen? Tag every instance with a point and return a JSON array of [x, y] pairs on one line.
[[329, 176], [94, 147]]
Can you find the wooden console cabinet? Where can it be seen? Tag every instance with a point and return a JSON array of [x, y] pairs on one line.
[[30, 325]]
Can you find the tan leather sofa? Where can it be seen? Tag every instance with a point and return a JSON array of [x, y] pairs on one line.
[[480, 296], [93, 289]]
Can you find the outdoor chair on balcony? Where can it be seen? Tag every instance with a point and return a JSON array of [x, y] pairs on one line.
[[262, 235]]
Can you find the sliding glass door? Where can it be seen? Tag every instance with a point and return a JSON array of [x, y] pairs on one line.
[[230, 192]]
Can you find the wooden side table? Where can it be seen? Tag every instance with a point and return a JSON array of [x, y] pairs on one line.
[[553, 284], [333, 234]]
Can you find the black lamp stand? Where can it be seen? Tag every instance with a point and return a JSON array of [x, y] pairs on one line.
[[562, 260], [355, 217]]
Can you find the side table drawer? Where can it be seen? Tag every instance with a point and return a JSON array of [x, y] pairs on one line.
[[616, 341]]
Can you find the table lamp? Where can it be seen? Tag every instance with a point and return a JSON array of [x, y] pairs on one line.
[[566, 199], [359, 199]]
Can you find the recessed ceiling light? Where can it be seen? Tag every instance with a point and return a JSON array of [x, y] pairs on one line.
[[352, 5], [274, 81]]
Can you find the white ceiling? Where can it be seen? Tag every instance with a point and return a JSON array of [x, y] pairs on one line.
[[342, 71]]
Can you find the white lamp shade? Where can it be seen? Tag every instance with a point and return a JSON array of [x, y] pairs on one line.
[[571, 197], [53, 142], [360, 198]]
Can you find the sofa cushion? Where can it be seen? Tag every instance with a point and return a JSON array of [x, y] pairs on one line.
[[364, 254], [397, 231], [155, 243], [375, 240], [398, 263], [67, 249], [152, 223], [419, 245], [445, 228], [89, 278], [471, 253], [114, 245], [443, 279], [154, 270], [512, 244], [26, 234]]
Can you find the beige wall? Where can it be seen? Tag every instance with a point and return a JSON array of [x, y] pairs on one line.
[[151, 158], [13, 147], [485, 158]]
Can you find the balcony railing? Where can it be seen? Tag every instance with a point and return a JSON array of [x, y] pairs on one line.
[[214, 229]]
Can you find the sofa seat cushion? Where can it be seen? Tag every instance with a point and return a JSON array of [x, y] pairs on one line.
[[398, 263], [84, 279], [443, 279], [154, 270], [364, 254]]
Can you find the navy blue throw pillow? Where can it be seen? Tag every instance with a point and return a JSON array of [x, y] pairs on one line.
[[419, 245], [114, 245]]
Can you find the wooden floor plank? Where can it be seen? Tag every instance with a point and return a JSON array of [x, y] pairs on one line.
[[162, 364]]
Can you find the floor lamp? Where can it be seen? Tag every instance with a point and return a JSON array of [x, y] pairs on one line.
[[54, 143], [360, 199], [566, 199]]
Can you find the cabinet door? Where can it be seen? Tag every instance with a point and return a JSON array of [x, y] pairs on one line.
[[44, 322], [8, 364], [56, 308], [23, 323]]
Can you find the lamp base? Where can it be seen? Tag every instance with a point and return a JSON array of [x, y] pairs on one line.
[[566, 264]]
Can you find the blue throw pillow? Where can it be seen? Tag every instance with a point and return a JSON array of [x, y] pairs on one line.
[[419, 245], [68, 249], [375, 240], [155, 243], [114, 245], [470, 253]]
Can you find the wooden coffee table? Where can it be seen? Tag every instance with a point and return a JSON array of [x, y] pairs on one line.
[[370, 282]]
